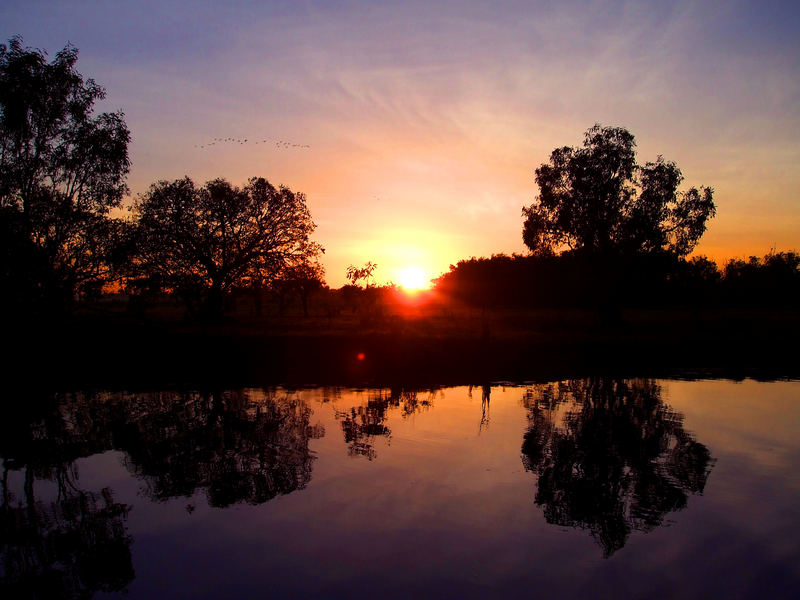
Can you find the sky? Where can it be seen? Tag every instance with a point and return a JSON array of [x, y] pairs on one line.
[[414, 128]]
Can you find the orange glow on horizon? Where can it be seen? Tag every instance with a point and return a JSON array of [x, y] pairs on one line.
[[409, 303], [415, 148]]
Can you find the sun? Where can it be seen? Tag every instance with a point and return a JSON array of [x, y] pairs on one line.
[[413, 279]]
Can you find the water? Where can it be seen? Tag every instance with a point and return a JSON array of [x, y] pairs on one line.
[[583, 488]]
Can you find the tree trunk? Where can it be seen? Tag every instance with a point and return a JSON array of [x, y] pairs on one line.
[[214, 302]]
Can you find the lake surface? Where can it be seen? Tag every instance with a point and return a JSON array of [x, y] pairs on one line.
[[583, 488]]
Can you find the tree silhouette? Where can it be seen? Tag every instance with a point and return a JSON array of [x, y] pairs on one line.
[[610, 457], [771, 280], [67, 548], [236, 446], [356, 274], [61, 170], [596, 200], [361, 425], [204, 242], [67, 544], [300, 280]]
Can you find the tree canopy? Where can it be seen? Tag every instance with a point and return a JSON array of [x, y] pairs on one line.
[[204, 241], [597, 200], [61, 170]]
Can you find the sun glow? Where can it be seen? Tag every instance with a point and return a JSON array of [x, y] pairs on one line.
[[413, 279]]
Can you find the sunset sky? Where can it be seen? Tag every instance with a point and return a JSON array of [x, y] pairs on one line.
[[424, 121]]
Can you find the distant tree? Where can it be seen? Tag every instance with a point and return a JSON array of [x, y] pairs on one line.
[[356, 274], [360, 299], [203, 242], [704, 269], [596, 200], [306, 278], [300, 281], [771, 280], [516, 280], [61, 170]]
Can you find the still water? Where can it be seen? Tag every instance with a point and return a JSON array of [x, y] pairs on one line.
[[583, 488]]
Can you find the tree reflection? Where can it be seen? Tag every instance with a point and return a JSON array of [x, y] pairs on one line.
[[363, 424], [57, 539], [238, 446], [610, 457]]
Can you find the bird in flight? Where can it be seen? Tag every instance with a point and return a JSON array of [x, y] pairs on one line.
[[280, 144]]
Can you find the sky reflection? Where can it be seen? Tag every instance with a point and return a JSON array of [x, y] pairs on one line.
[[621, 485]]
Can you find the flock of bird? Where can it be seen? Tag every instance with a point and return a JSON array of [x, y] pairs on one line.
[[230, 140]]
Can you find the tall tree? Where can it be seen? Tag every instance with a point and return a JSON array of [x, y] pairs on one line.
[[204, 242], [62, 169], [597, 200]]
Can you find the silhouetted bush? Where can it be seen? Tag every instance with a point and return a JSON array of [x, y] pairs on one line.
[[770, 281], [638, 280]]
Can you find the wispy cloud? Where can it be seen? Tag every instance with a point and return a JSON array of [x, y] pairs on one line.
[[444, 109]]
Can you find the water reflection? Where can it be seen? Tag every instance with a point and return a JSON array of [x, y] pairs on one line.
[[610, 456], [486, 398], [362, 424], [58, 540], [237, 446]]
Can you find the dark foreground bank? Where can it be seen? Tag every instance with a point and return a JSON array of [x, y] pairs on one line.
[[97, 351]]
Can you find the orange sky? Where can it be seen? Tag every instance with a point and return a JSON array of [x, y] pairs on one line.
[[425, 121]]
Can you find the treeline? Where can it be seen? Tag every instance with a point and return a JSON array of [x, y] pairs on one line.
[[662, 280], [62, 173], [606, 231]]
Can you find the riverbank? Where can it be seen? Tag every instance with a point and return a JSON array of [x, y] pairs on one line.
[[110, 351]]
